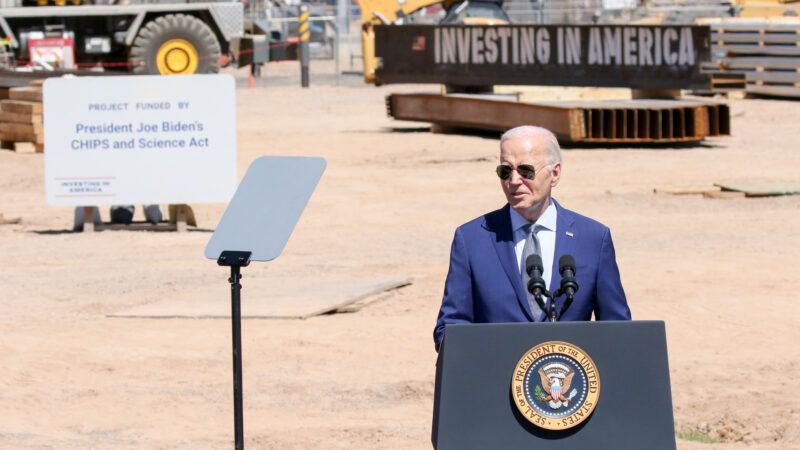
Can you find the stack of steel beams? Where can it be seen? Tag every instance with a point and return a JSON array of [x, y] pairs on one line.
[[613, 121], [766, 53]]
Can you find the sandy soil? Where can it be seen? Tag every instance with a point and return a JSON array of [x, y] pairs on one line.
[[721, 273]]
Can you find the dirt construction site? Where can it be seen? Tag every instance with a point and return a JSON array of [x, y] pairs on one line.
[[77, 372]]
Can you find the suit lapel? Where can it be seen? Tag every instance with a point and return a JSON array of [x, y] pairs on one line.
[[503, 243], [565, 245]]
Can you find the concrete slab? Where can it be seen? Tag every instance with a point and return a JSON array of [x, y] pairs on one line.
[[269, 298]]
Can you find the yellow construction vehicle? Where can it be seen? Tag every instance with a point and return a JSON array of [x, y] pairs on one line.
[[390, 12]]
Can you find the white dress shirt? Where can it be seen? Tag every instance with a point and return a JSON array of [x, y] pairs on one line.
[[545, 228]]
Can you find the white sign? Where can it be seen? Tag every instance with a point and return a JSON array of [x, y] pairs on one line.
[[139, 139]]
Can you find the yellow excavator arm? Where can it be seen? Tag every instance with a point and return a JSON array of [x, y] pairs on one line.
[[385, 12]]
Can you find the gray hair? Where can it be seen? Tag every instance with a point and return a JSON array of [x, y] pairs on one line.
[[533, 131]]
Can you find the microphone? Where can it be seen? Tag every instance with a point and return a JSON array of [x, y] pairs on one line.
[[536, 285], [569, 285]]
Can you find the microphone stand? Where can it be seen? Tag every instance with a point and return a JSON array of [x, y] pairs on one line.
[[566, 304], [541, 303]]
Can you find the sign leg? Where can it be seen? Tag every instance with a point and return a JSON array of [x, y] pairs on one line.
[[88, 219]]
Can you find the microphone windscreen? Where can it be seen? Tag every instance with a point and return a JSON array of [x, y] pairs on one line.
[[533, 261], [566, 261]]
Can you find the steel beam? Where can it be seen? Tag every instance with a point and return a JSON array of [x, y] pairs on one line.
[[615, 121]]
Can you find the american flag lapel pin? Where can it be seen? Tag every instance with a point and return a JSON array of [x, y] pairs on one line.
[[569, 234]]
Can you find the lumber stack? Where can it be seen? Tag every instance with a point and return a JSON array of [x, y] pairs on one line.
[[765, 52], [21, 124]]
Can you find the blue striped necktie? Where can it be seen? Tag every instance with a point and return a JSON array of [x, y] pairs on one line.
[[531, 247]]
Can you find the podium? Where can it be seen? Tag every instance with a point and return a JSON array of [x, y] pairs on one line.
[[508, 386]]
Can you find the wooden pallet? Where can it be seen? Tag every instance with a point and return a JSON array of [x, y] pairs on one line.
[[180, 218], [779, 83], [723, 81], [766, 53]]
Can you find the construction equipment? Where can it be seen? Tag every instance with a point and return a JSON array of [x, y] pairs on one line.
[[142, 37]]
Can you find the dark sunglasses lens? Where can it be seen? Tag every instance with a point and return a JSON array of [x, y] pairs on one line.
[[504, 171], [526, 171]]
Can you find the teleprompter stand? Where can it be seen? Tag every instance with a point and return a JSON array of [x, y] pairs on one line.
[[236, 260], [255, 227]]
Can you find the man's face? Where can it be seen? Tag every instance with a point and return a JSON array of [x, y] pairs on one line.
[[529, 197]]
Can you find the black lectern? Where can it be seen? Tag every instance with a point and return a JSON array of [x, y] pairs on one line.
[[563, 385]]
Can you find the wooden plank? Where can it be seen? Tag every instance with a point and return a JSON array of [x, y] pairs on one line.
[[755, 25], [728, 83], [21, 106], [778, 91], [25, 147], [723, 195], [21, 128], [32, 94], [137, 226], [24, 137], [743, 49], [687, 190], [774, 77], [754, 62], [756, 38], [9, 117]]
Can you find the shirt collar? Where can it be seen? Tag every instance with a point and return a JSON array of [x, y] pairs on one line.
[[547, 220]]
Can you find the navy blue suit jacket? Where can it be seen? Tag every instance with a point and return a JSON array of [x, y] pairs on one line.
[[484, 283]]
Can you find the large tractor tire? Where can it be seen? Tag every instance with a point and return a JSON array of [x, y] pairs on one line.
[[175, 44]]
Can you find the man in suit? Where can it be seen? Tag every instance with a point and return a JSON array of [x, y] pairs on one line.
[[487, 281]]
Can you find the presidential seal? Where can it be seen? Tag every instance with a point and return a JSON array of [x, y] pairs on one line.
[[555, 385]]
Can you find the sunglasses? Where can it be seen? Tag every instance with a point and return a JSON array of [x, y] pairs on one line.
[[526, 171]]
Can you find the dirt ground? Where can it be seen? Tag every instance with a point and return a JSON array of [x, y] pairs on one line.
[[722, 274]]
